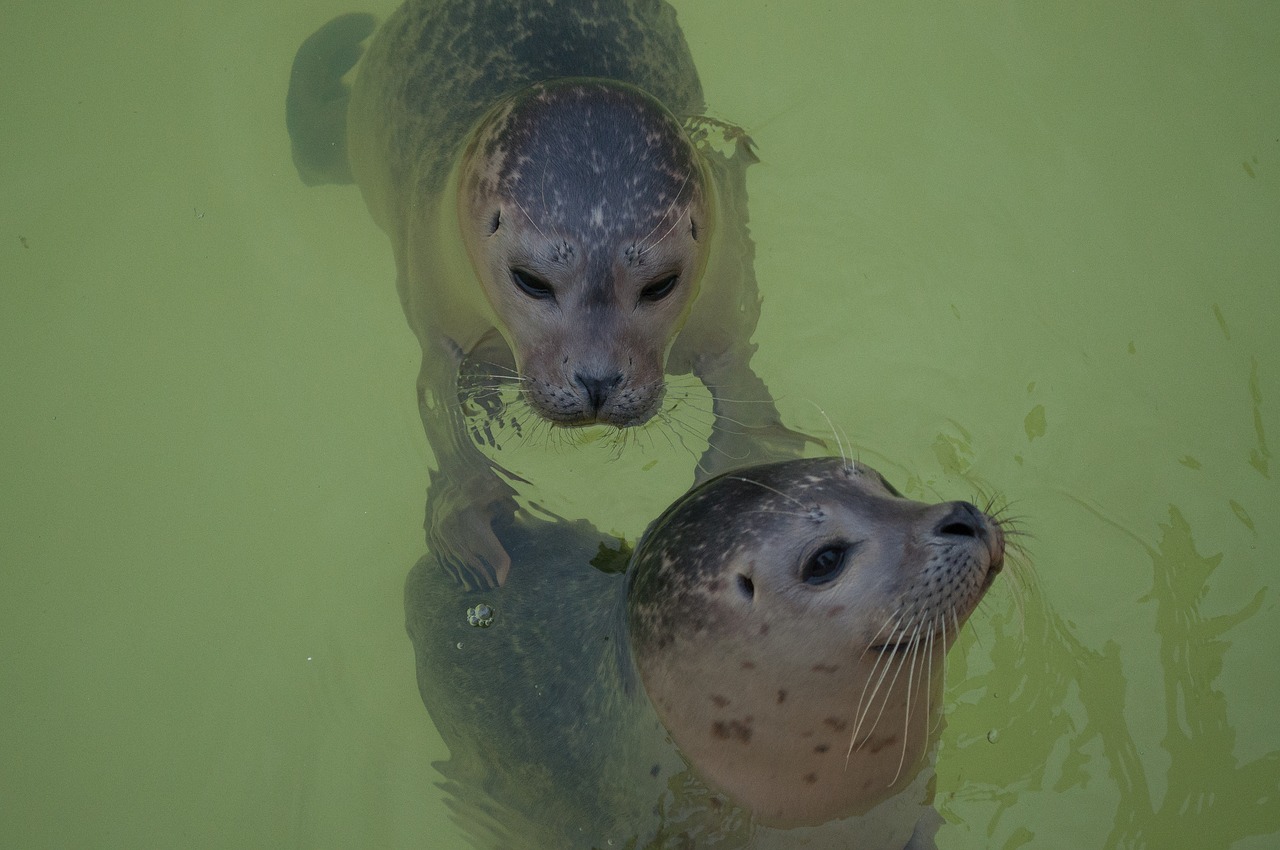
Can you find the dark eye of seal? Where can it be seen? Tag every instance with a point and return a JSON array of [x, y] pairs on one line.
[[532, 285], [661, 289], [825, 564]]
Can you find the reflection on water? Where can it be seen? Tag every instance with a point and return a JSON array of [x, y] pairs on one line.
[[1063, 706]]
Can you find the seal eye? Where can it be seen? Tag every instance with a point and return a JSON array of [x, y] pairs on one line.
[[532, 285], [661, 289], [824, 565]]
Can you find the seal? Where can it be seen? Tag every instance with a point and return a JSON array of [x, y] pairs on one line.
[[559, 211], [767, 673]]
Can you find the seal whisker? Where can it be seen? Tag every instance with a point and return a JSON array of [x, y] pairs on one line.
[[942, 628], [676, 422], [674, 200], [866, 701], [666, 431], [743, 428], [702, 418], [516, 201], [889, 624], [934, 723], [834, 433], [912, 682], [714, 396], [697, 457]]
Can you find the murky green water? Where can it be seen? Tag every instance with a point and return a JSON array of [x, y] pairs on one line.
[[1023, 248]]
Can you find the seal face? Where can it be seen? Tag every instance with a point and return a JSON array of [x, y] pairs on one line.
[[584, 209], [789, 624]]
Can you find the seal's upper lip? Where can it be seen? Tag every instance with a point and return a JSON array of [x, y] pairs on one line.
[[903, 644]]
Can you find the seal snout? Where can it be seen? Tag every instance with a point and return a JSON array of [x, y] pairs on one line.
[[965, 520], [597, 388]]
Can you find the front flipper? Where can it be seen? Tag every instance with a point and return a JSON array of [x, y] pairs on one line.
[[461, 512], [468, 492]]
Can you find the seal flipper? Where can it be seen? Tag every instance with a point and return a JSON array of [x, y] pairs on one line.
[[315, 109]]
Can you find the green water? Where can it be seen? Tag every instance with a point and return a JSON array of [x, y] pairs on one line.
[[1029, 249]]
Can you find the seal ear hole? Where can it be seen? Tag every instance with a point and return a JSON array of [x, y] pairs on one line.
[[495, 221], [747, 587], [693, 230]]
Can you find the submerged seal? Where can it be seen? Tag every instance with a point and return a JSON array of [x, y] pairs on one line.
[[783, 625], [558, 210]]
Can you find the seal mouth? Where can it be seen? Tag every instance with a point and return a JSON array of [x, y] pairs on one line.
[[893, 648], [995, 555], [906, 644]]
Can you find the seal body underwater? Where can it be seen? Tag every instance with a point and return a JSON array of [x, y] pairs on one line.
[[559, 211], [766, 674]]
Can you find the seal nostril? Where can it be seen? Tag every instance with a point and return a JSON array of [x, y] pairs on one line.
[[598, 387], [747, 586], [963, 520]]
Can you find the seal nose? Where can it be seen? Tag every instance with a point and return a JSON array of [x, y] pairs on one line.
[[598, 387], [963, 520]]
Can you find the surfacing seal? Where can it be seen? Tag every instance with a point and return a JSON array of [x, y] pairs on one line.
[[560, 212], [784, 625], [789, 624]]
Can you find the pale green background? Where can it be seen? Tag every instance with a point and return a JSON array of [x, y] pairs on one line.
[[1032, 248]]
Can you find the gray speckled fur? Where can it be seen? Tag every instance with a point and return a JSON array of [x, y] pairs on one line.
[[437, 78]]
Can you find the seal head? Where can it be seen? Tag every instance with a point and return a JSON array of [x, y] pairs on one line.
[[585, 211], [789, 623]]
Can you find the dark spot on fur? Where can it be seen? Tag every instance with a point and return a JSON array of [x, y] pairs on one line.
[[821, 748], [835, 610], [808, 734], [811, 778], [764, 629], [748, 665], [735, 730], [720, 701], [825, 668], [836, 724], [782, 696], [654, 771], [714, 585]]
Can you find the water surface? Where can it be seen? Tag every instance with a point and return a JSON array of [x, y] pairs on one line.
[[1022, 249]]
